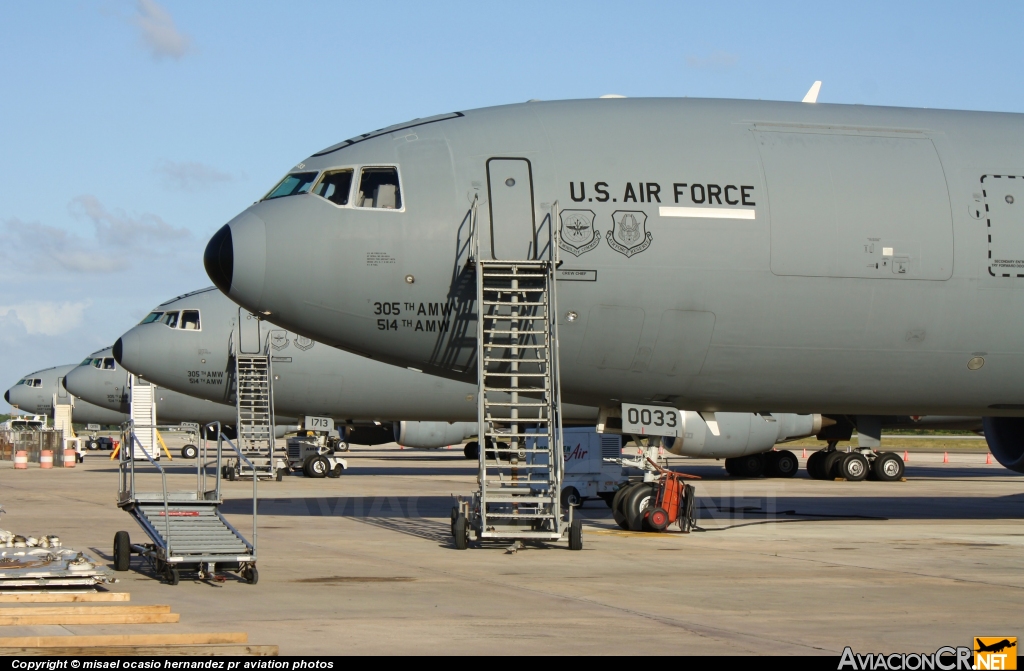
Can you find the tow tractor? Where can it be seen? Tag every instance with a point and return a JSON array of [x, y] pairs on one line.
[[315, 451]]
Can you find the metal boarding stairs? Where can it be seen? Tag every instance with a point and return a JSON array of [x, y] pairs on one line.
[[186, 528], [518, 404], [254, 403]]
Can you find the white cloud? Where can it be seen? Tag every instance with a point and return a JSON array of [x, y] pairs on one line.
[[47, 317], [717, 60], [191, 175], [158, 33], [116, 228], [118, 242]]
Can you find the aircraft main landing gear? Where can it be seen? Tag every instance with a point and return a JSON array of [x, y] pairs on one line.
[[772, 464], [830, 463]]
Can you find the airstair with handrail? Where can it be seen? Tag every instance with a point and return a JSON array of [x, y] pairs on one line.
[[186, 529], [254, 403], [518, 402]]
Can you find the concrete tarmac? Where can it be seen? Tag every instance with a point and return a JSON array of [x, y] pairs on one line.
[[365, 563]]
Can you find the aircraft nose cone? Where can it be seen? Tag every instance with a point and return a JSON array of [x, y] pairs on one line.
[[126, 352], [7, 396], [219, 260]]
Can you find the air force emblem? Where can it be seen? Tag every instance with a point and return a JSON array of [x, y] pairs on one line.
[[576, 233], [278, 340], [629, 234], [303, 343]]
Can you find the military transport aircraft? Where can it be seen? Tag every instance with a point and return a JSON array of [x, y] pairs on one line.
[[310, 378], [101, 381], [715, 254], [35, 393]]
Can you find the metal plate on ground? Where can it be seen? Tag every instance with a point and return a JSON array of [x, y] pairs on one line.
[[50, 567]]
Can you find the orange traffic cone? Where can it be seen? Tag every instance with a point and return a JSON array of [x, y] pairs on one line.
[[906, 456], [804, 456], [945, 457], [988, 459]]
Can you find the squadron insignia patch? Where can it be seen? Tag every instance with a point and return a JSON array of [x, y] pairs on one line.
[[303, 343], [629, 234], [576, 232], [278, 340]]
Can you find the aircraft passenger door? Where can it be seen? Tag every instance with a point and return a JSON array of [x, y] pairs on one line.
[[248, 333], [510, 204]]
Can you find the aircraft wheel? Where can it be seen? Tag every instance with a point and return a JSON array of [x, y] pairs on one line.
[[730, 466], [189, 452], [658, 519], [571, 497], [829, 469], [336, 471], [455, 515], [229, 473], [785, 464], [750, 466], [888, 467], [854, 467], [607, 497], [636, 504], [279, 475], [472, 450], [814, 465], [618, 509], [122, 551], [461, 532], [576, 535]]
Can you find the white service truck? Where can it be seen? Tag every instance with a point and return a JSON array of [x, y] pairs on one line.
[[587, 475]]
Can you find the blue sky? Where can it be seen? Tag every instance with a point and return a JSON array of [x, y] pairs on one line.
[[131, 130]]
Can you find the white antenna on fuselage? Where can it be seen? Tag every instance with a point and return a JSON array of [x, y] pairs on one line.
[[812, 93]]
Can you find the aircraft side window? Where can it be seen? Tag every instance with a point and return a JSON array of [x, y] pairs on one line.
[[37, 382], [96, 363], [171, 319], [292, 185], [335, 186], [190, 320], [378, 188], [152, 317], [108, 364]]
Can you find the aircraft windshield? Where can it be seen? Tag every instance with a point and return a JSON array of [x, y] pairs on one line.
[[151, 317], [293, 184], [96, 363], [24, 381]]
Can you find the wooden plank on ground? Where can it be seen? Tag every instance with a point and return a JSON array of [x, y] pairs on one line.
[[57, 597], [123, 640], [84, 610], [111, 618], [140, 650]]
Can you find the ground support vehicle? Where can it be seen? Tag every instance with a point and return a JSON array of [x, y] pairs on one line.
[[186, 530]]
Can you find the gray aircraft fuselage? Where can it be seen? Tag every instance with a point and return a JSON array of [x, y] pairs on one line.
[[716, 254], [310, 378], [106, 384], [38, 398]]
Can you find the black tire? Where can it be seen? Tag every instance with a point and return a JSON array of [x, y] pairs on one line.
[[854, 467], [173, 576], [336, 471], [814, 465], [829, 469], [888, 467], [455, 515], [618, 511], [770, 457], [658, 519], [252, 576], [229, 473], [750, 466], [122, 551], [576, 535], [93, 445], [472, 450], [305, 465], [730, 466], [319, 467], [280, 474], [636, 504], [785, 465], [189, 452], [461, 532], [571, 497], [607, 497]]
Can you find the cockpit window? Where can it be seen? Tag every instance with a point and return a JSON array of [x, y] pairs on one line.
[[37, 382], [293, 184], [108, 364], [190, 320], [96, 363], [84, 363], [378, 188], [171, 319], [151, 317], [335, 186], [21, 382]]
